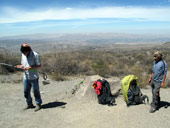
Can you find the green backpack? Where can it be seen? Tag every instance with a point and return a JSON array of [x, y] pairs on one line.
[[131, 92]]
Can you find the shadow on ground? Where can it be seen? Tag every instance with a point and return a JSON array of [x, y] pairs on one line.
[[117, 93], [164, 104], [53, 105]]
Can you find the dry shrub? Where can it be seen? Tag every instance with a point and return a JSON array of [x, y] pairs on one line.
[[8, 58], [142, 76], [103, 63], [100, 67], [57, 77]]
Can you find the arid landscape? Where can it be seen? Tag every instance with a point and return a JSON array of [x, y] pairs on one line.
[[68, 99], [66, 106], [80, 42]]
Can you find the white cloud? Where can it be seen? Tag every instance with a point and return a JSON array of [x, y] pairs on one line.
[[12, 15]]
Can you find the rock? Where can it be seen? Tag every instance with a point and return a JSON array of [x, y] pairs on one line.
[[86, 90]]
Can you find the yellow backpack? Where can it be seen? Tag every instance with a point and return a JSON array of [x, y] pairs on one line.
[[125, 82]]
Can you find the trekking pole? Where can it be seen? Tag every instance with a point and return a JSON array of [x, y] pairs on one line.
[[4, 64], [9, 65]]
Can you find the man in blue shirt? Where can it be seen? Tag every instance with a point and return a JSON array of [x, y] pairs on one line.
[[30, 62], [157, 79]]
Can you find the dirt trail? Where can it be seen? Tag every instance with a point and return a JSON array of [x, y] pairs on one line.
[[61, 109]]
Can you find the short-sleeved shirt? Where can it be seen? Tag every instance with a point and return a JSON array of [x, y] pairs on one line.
[[33, 59], [159, 70]]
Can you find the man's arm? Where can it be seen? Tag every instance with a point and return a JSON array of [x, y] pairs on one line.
[[21, 66], [32, 67], [163, 80], [165, 72]]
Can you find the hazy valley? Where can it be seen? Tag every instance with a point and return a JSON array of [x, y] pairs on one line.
[[45, 43], [104, 54], [72, 65]]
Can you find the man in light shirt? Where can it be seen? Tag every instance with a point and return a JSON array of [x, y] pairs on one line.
[[30, 62]]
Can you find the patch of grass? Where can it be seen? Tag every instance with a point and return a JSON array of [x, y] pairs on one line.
[[57, 77], [17, 81]]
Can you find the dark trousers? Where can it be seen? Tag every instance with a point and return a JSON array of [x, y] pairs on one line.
[[155, 93]]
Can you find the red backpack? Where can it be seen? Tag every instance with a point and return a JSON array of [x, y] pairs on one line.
[[97, 87]]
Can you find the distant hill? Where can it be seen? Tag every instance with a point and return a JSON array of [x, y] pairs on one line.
[[48, 42], [166, 44]]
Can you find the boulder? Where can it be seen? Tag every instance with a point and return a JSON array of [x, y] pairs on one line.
[[86, 91]]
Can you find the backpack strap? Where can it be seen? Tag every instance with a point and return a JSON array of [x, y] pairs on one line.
[[163, 65], [101, 81], [145, 97]]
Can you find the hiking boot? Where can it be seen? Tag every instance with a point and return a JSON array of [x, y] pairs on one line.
[[152, 110], [29, 106], [38, 107]]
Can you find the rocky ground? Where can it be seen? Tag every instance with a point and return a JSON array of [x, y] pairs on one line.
[[71, 104]]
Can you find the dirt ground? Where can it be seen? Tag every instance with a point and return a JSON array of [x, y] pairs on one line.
[[61, 108]]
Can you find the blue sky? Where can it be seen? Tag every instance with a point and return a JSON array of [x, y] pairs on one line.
[[21, 17]]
